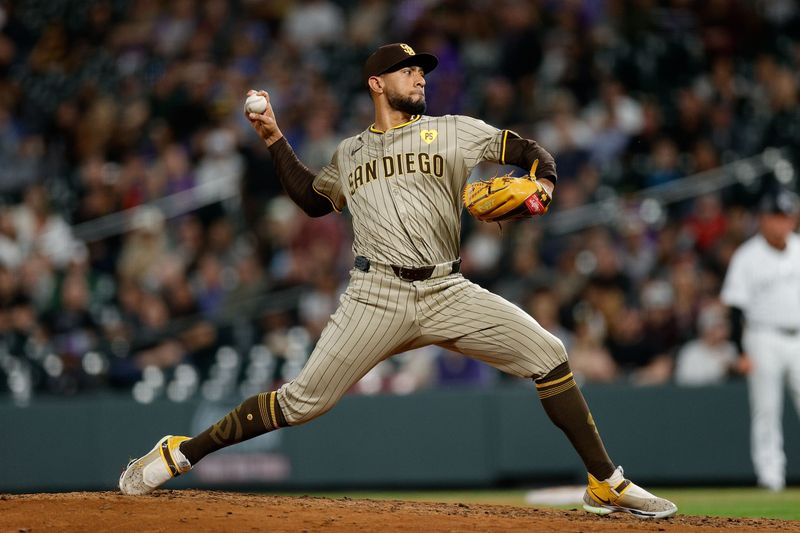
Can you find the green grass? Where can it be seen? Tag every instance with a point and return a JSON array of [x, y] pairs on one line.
[[733, 502], [738, 502]]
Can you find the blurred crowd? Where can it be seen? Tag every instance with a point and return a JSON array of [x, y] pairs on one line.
[[107, 106]]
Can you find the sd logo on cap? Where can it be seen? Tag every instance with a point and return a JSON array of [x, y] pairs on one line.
[[391, 57]]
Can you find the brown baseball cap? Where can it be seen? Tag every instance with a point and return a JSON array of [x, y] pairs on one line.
[[391, 57]]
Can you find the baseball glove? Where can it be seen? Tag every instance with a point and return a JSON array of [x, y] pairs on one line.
[[506, 197]]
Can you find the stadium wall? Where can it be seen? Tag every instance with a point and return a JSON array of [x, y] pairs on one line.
[[454, 438]]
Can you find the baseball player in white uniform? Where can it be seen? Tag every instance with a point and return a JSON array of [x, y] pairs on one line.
[[402, 179], [762, 290]]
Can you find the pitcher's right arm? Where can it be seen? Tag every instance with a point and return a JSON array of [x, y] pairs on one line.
[[297, 180]]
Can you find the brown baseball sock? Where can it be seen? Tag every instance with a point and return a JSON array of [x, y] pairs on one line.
[[253, 417], [564, 404]]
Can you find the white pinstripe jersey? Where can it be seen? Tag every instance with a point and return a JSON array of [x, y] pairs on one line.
[[765, 282], [403, 186]]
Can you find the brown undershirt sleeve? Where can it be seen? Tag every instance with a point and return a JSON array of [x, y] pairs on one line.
[[297, 180], [523, 152]]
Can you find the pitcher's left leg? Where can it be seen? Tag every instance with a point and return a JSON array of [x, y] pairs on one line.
[[485, 326], [471, 320]]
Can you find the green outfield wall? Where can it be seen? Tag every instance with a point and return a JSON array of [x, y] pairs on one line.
[[661, 435]]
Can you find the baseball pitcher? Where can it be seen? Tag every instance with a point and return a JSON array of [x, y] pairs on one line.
[[403, 181]]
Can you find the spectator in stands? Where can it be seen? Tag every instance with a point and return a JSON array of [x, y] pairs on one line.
[[660, 324], [319, 302], [589, 358], [154, 339], [707, 222], [8, 288], [638, 357], [71, 327], [481, 253], [245, 300], [785, 111], [124, 103], [566, 134], [691, 122], [615, 118], [663, 164], [145, 253], [210, 285], [321, 140], [543, 304], [312, 23], [637, 249], [10, 252], [70, 331], [40, 230], [526, 274], [710, 358]]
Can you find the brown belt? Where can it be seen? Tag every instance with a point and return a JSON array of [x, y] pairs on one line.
[[407, 273]]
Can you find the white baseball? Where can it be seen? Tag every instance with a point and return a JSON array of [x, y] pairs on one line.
[[255, 103]]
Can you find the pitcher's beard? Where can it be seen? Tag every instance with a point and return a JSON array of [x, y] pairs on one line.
[[406, 104]]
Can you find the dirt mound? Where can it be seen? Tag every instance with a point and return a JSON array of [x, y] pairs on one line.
[[200, 511]]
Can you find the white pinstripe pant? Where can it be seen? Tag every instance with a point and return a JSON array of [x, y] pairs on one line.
[[380, 315]]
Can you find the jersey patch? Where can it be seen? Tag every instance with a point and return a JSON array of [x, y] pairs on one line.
[[428, 135]]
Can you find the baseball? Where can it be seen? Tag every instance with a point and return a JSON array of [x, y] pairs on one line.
[[255, 103]]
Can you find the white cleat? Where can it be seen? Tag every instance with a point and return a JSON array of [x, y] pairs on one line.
[[147, 473], [617, 494]]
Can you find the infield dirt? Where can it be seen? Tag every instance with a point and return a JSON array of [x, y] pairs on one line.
[[202, 511]]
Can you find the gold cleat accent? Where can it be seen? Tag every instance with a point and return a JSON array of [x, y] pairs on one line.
[[624, 496], [147, 473]]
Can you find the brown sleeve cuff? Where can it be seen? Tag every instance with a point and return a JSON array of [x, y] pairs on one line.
[[523, 152]]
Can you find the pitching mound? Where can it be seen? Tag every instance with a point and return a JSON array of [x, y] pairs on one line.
[[200, 511]]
